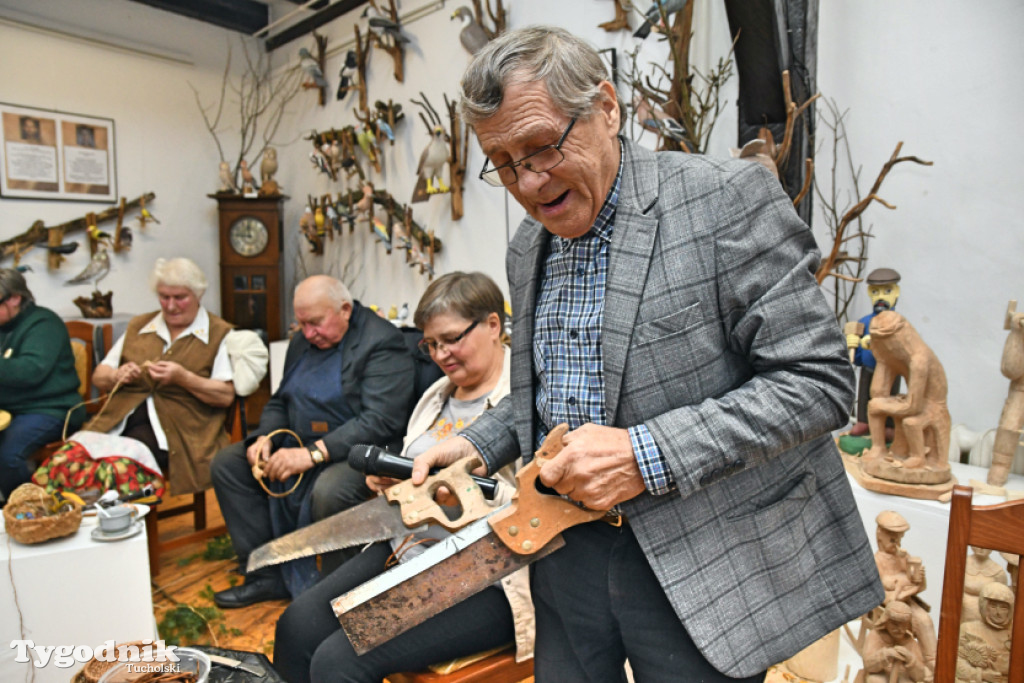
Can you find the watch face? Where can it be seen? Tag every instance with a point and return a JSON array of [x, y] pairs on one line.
[[248, 236]]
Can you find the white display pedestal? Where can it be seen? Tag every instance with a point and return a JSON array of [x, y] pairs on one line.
[[72, 591], [926, 538]]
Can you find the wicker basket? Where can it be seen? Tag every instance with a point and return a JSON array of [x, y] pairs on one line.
[[94, 669], [44, 525]]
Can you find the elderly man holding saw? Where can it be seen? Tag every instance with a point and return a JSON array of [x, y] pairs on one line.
[[666, 310]]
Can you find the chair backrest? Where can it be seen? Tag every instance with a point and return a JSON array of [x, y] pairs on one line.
[[996, 527], [83, 345]]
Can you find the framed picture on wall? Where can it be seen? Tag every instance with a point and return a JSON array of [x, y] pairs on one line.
[[48, 154]]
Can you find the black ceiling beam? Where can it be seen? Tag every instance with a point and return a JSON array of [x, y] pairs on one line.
[[244, 16], [308, 24]]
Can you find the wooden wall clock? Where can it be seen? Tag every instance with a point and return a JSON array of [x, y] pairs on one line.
[[250, 262]]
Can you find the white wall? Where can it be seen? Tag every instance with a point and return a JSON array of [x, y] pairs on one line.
[[941, 76], [161, 141]]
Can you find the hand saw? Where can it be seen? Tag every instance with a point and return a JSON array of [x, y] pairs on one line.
[[379, 520], [523, 531]]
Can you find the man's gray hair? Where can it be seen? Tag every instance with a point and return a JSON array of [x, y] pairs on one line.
[[13, 283], [179, 272], [570, 67]]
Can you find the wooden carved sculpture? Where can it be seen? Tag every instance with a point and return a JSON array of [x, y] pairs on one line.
[[1012, 419], [984, 647], [920, 449], [891, 652], [981, 571], [903, 578]]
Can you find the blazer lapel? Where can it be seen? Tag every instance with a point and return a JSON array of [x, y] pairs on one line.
[[629, 260], [532, 239]]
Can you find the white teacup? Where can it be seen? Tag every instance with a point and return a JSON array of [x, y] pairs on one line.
[[116, 519]]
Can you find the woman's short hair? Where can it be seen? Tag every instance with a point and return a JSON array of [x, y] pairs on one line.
[[13, 283], [179, 272], [473, 296], [570, 67]]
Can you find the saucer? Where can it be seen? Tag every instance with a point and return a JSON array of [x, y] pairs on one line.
[[140, 510], [98, 535]]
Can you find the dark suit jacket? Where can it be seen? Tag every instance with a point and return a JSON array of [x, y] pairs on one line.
[[377, 374], [717, 337]]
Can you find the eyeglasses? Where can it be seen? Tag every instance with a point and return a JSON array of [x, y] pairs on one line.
[[541, 161], [429, 346]]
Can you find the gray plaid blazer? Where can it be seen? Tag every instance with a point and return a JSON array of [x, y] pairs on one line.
[[717, 337]]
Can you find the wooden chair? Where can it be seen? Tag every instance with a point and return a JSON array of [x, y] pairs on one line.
[[87, 356], [238, 429], [997, 527], [497, 668]]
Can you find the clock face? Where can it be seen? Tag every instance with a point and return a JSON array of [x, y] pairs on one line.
[[248, 236]]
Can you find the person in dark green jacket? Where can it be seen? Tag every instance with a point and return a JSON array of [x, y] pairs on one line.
[[38, 382]]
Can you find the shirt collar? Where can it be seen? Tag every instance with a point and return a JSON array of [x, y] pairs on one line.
[[200, 327], [604, 224]]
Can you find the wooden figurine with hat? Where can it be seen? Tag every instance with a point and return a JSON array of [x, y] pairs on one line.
[[884, 292]]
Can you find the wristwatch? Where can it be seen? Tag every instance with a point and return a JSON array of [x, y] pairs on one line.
[[318, 456]]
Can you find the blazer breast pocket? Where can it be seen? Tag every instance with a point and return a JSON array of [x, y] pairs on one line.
[[675, 323]]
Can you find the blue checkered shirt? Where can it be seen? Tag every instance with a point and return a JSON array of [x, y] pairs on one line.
[[569, 370]]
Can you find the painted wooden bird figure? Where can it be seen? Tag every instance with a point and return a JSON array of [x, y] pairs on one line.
[[346, 77], [319, 162], [227, 178], [268, 165], [145, 215], [385, 29], [311, 68], [368, 143], [307, 225], [320, 221], [97, 269], [401, 237], [380, 231], [654, 119], [472, 36], [97, 234], [247, 177], [332, 218], [65, 248], [433, 159], [334, 156], [652, 16], [126, 237], [365, 205]]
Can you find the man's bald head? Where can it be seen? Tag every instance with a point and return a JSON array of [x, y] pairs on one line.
[[323, 307]]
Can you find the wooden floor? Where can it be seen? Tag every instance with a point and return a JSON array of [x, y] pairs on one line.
[[190, 581]]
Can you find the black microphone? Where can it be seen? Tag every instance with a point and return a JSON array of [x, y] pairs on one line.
[[377, 461]]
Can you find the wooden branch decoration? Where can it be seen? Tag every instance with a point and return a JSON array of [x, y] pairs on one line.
[[793, 112], [394, 43], [808, 181], [321, 59], [458, 152], [828, 265], [362, 55], [620, 22], [54, 239], [19, 244], [118, 246]]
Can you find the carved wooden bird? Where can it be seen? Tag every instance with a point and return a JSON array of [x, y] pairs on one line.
[[307, 225], [145, 216], [97, 269], [380, 231], [227, 178], [347, 74], [433, 159], [472, 36], [652, 16], [247, 177], [268, 166], [388, 31], [365, 205], [367, 142], [311, 68], [66, 248]]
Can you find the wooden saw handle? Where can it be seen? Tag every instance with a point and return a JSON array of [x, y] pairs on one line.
[[419, 507], [534, 518]]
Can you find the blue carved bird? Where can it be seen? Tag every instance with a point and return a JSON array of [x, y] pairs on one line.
[[653, 15], [311, 68]]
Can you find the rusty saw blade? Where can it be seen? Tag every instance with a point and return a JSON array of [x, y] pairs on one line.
[[523, 531], [379, 520], [447, 573]]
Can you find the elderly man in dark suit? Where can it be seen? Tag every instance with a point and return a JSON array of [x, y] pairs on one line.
[[348, 379], [666, 309]]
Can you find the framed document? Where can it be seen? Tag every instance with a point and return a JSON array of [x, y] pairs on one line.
[[48, 154]]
